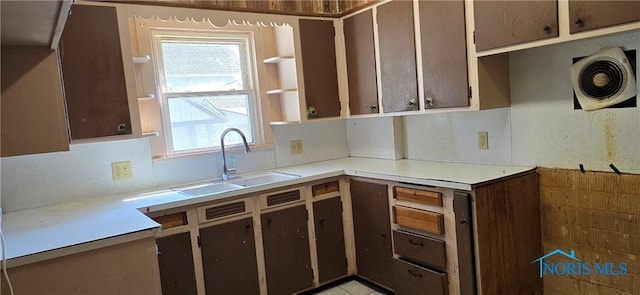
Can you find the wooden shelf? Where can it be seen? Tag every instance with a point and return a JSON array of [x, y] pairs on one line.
[[151, 133], [141, 59], [284, 122], [277, 59], [281, 90], [149, 96]]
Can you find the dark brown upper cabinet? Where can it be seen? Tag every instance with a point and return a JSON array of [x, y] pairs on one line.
[[93, 73], [397, 57], [504, 23], [229, 258], [589, 15], [319, 68], [361, 64], [285, 237], [372, 231], [444, 54]]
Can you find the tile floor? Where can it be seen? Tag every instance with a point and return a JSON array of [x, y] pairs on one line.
[[350, 288]]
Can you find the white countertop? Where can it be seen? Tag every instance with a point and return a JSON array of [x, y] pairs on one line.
[[42, 233]]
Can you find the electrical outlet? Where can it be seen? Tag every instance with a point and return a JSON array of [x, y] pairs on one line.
[[483, 140], [121, 170], [296, 147]]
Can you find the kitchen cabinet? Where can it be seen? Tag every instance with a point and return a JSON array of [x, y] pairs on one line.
[[589, 15], [94, 78], [229, 258], [287, 260], [503, 23], [33, 109], [398, 73], [327, 220], [361, 63], [317, 43], [175, 259], [372, 231], [444, 54]]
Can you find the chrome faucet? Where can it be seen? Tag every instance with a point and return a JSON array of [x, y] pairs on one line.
[[226, 171]]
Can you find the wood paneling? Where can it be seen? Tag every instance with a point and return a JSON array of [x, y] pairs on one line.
[[327, 220], [419, 219], [93, 73], [418, 196], [372, 231], [508, 236], [229, 258], [502, 23], [444, 53], [361, 64], [175, 258], [331, 8], [33, 110], [398, 72], [589, 15], [317, 44]]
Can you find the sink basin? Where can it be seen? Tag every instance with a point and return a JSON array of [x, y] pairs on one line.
[[263, 178], [209, 189]]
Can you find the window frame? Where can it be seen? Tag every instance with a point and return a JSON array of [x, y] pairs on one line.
[[250, 80]]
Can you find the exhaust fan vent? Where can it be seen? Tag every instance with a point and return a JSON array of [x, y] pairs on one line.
[[603, 79]]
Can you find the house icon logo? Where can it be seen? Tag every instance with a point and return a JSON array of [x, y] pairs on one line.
[[571, 265]]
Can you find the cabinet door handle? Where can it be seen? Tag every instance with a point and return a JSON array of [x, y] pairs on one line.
[[374, 108], [412, 102], [415, 274], [428, 101], [415, 243], [547, 29], [384, 235], [463, 221], [321, 221], [121, 128], [268, 220], [578, 21], [247, 226]]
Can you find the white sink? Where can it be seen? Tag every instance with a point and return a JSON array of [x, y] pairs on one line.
[[208, 189], [263, 178]]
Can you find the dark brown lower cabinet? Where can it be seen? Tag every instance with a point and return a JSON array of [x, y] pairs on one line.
[[332, 261], [372, 232], [229, 258], [175, 259], [413, 279], [286, 251]]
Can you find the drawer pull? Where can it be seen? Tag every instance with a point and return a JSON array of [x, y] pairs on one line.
[[415, 274], [416, 243]]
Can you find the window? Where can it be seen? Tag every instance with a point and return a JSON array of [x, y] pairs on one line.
[[207, 85]]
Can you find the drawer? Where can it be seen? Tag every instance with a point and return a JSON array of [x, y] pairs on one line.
[[325, 188], [421, 220], [418, 196], [172, 220], [420, 249], [412, 279]]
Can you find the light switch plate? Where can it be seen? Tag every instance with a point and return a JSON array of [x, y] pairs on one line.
[[483, 140], [121, 170], [296, 147]]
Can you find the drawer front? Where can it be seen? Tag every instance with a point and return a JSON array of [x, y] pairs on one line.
[[412, 279], [418, 196], [421, 249], [419, 220], [325, 188]]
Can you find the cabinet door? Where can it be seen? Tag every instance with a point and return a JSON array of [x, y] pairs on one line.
[[319, 67], [503, 23], [33, 111], [93, 73], [286, 250], [444, 54], [332, 260], [372, 231], [229, 258], [589, 15], [361, 63], [397, 57], [175, 260]]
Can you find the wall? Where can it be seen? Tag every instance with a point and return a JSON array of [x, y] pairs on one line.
[[378, 137], [85, 171]]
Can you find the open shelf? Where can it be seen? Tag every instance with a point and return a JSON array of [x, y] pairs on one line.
[[151, 133], [281, 90], [149, 96], [141, 59]]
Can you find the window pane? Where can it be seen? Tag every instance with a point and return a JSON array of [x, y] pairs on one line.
[[198, 122], [202, 67]]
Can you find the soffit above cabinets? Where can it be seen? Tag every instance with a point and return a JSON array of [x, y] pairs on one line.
[[34, 23]]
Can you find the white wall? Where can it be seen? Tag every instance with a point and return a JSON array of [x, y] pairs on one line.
[[454, 136], [376, 137], [548, 132], [85, 171]]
